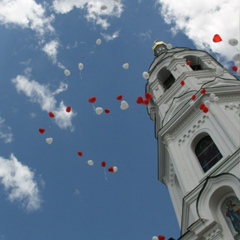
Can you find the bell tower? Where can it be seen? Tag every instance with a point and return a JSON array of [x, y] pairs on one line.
[[195, 106]]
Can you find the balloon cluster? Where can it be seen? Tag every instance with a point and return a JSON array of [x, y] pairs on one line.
[[236, 58], [160, 237], [145, 101]]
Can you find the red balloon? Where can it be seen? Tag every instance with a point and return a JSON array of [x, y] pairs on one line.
[[182, 83], [217, 38], [140, 100], [188, 63], [234, 68], [51, 115], [80, 154], [120, 98], [107, 111], [203, 91], [68, 109], [202, 106], [194, 97], [111, 169], [41, 130], [146, 102], [103, 164], [148, 96], [205, 109], [160, 237], [92, 99]]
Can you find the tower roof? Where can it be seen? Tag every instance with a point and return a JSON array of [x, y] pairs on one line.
[[156, 45]]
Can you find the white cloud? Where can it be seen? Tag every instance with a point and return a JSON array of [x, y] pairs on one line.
[[51, 50], [18, 181], [201, 20], [26, 14], [5, 132], [41, 94], [62, 88], [144, 35], [109, 37], [94, 12]]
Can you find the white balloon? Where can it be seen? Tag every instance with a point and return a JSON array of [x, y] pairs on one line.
[[98, 110], [115, 169], [80, 66], [212, 95], [103, 7], [49, 140], [233, 41], [236, 57], [169, 46], [124, 105], [98, 41], [219, 71], [90, 162], [125, 65], [145, 75], [154, 238], [216, 99], [237, 64], [67, 72]]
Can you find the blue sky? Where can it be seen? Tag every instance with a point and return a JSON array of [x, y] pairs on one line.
[[47, 191]]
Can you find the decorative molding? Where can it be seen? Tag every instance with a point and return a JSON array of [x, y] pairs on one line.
[[215, 233], [231, 106], [192, 130]]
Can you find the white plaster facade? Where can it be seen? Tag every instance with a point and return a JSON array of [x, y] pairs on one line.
[[180, 123]]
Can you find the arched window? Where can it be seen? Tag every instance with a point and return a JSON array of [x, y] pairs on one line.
[[195, 63], [166, 78], [207, 153], [231, 213]]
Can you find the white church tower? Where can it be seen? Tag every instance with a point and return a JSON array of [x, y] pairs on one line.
[[195, 106]]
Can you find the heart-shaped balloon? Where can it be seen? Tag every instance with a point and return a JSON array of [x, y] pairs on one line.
[[67, 72], [68, 109], [125, 66], [41, 130], [119, 98], [80, 154], [90, 162], [98, 41], [233, 41], [103, 164], [98, 110], [51, 115], [124, 105], [148, 96], [92, 99], [49, 140], [140, 100], [217, 38], [236, 57], [145, 75]]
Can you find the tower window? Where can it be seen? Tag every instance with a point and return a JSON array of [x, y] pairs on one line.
[[207, 153], [166, 78], [195, 63], [168, 82]]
